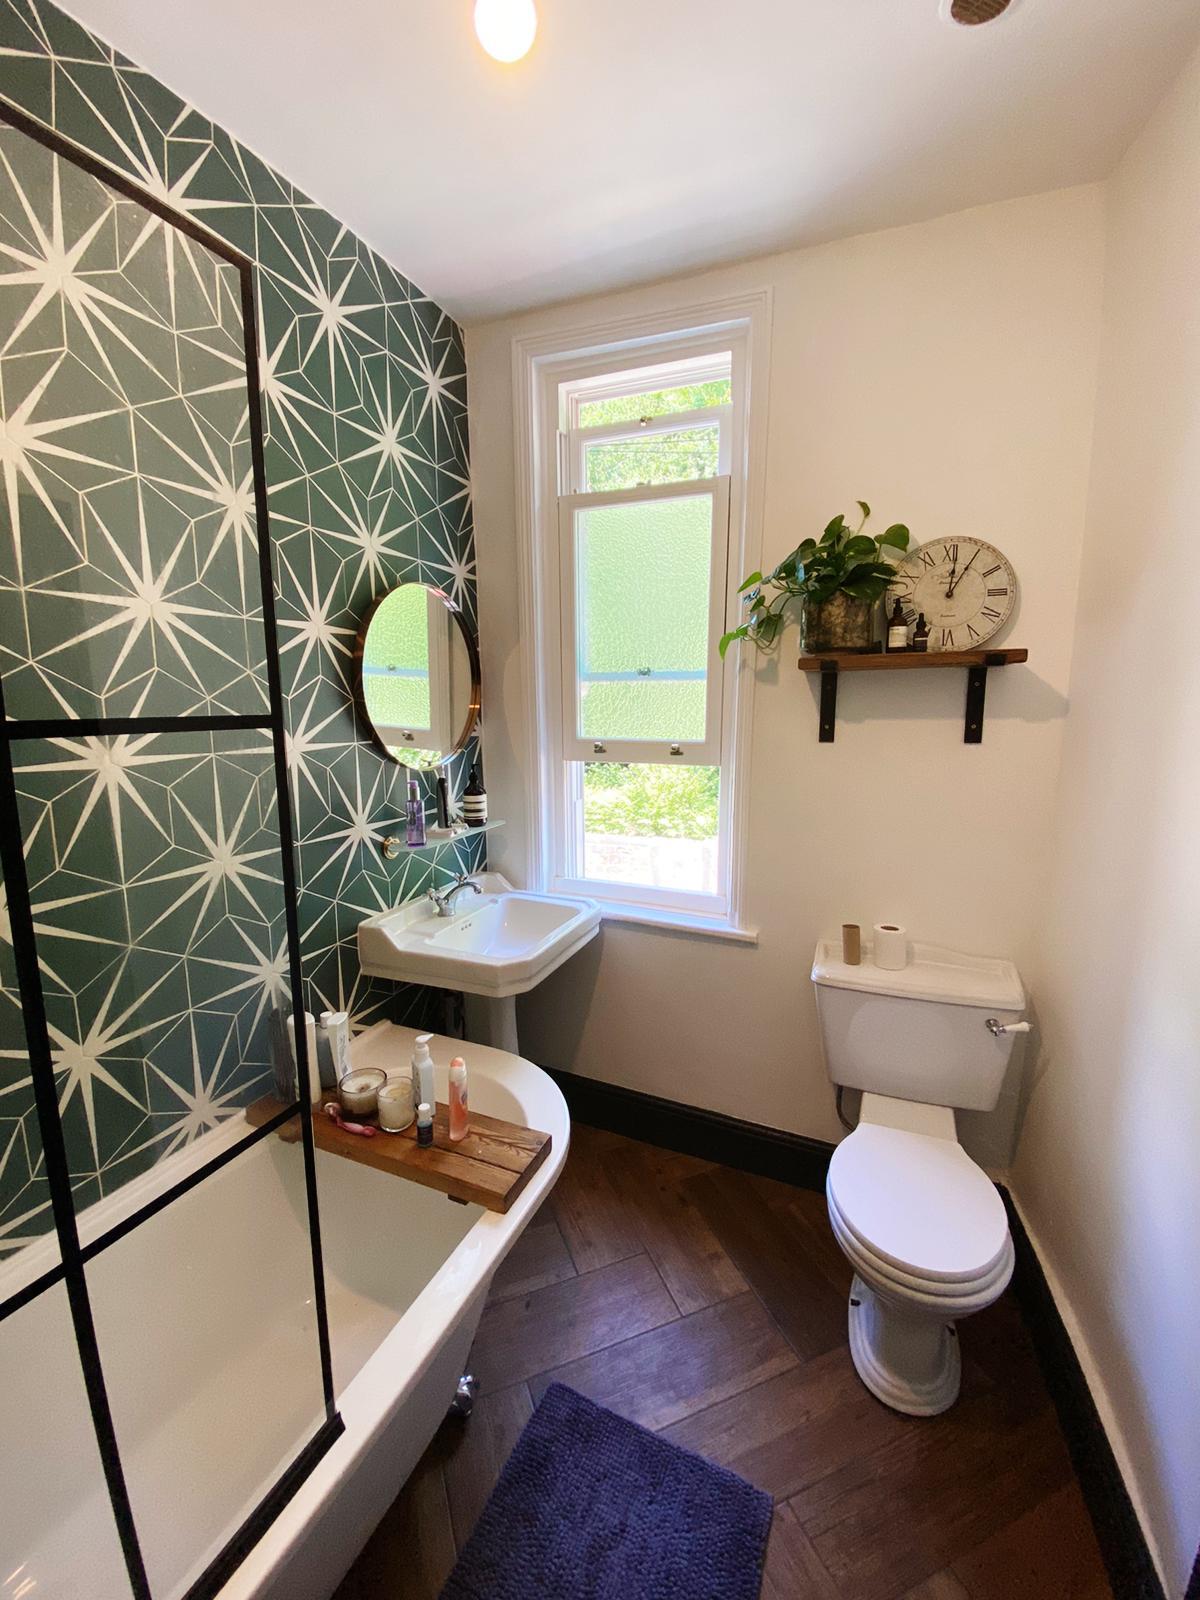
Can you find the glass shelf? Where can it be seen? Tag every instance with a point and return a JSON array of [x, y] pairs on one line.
[[432, 845]]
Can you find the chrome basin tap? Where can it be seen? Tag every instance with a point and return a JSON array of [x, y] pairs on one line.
[[444, 901]]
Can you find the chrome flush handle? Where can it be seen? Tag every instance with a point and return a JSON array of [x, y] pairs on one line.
[[996, 1028]]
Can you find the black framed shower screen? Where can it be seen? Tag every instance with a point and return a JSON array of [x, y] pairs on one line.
[[44, 711]]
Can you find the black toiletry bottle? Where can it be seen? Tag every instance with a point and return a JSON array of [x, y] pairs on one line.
[[920, 639], [474, 801]]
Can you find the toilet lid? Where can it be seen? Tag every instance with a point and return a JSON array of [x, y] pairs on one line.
[[918, 1202]]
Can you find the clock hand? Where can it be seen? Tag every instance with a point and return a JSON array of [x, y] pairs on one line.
[[956, 581]]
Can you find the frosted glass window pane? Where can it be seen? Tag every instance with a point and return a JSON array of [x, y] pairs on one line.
[[651, 458], [642, 596], [654, 826], [208, 1331], [57, 1535]]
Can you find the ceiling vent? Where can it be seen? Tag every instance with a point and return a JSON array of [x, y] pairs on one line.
[[973, 12]]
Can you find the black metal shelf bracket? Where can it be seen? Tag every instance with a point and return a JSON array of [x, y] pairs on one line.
[[976, 690], [829, 688]]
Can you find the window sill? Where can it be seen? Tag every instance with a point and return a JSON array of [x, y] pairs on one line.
[[677, 922]]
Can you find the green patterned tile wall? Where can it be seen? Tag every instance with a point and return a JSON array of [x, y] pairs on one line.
[[128, 587]]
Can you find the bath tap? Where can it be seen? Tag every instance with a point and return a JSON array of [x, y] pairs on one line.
[[445, 901]]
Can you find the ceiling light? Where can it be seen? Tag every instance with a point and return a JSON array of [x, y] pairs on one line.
[[505, 27]]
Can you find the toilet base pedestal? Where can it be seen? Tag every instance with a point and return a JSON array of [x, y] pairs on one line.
[[909, 1362]]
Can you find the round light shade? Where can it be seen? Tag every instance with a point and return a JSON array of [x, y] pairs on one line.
[[505, 27]]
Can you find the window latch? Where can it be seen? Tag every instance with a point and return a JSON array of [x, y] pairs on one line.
[[600, 749], [676, 749]]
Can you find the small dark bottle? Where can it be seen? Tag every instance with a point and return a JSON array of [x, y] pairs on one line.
[[897, 629], [474, 801], [920, 638]]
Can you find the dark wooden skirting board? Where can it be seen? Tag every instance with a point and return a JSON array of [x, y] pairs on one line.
[[768, 1152], [792, 1158], [489, 1168], [1119, 1534]]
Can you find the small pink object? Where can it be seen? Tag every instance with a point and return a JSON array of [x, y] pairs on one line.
[[458, 1099], [334, 1114]]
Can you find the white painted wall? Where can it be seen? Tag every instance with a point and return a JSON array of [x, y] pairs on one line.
[[1108, 1171], [946, 373]]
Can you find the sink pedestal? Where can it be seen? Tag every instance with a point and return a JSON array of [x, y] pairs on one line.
[[492, 1021]]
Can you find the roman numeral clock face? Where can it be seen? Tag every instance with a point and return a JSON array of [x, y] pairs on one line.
[[965, 587]]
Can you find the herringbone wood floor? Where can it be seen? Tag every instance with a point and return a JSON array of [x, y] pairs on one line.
[[711, 1306]]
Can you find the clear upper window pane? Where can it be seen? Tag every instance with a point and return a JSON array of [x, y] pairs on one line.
[[642, 601], [655, 403], [652, 826], [651, 458]]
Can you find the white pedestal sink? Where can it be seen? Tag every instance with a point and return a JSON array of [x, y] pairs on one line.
[[495, 946]]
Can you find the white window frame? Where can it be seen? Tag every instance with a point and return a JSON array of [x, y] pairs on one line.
[[547, 461]]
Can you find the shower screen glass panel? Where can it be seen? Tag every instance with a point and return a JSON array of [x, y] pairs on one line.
[[150, 893], [128, 582], [154, 867], [57, 1535], [28, 1244], [208, 1410]]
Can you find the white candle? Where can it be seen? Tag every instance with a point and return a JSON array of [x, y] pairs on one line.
[[358, 1091], [395, 1105]]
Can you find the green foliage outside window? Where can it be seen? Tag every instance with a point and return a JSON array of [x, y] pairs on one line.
[[661, 403], [651, 802]]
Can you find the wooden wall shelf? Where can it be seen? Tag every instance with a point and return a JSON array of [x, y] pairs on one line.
[[489, 1168], [976, 663]]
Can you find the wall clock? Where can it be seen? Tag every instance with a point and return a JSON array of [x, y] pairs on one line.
[[965, 587]]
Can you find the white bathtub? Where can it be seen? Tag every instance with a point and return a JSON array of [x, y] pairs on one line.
[[206, 1328], [401, 1323]]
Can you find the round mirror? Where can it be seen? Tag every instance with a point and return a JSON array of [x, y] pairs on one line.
[[418, 675]]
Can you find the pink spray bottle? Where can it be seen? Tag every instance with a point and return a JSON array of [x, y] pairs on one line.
[[458, 1098]]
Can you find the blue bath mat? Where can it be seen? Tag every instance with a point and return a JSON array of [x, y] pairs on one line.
[[592, 1507]]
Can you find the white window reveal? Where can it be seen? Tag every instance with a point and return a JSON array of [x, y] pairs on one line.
[[639, 529]]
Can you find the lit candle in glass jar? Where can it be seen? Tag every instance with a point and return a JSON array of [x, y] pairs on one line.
[[358, 1090]]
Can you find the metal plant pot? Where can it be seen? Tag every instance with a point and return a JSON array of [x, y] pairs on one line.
[[839, 623]]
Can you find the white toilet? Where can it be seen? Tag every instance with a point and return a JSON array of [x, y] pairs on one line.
[[923, 1227]]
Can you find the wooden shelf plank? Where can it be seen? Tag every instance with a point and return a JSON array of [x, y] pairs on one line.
[[489, 1168], [908, 660]]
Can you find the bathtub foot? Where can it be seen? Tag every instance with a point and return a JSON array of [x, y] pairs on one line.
[[464, 1396]]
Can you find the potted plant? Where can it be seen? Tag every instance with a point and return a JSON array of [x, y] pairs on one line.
[[837, 580]]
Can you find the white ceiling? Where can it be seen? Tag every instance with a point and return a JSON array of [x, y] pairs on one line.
[[646, 137]]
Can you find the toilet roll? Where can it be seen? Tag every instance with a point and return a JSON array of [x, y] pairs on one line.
[[890, 952]]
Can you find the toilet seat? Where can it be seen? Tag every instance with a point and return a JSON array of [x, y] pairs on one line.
[[918, 1214], [952, 1300]]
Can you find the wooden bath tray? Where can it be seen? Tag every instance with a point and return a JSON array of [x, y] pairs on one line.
[[489, 1168]]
